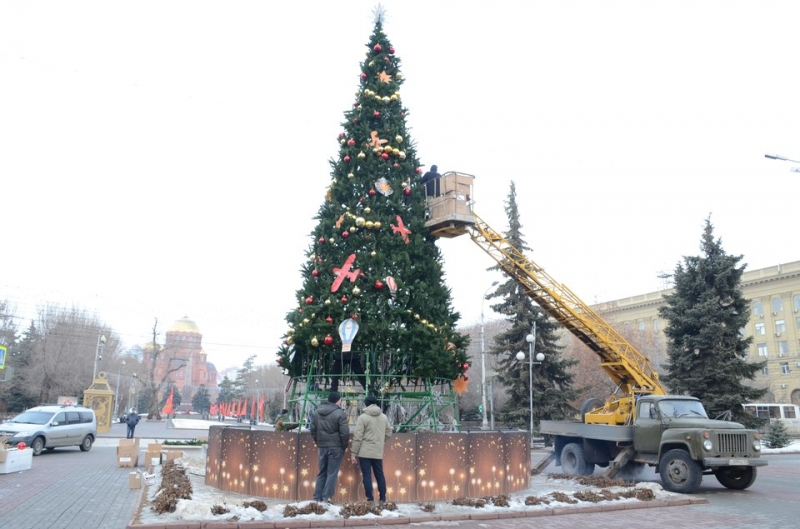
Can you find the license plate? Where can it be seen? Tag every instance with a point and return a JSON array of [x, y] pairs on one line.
[[738, 462]]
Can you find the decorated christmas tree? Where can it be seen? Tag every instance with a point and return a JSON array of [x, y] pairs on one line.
[[374, 315]]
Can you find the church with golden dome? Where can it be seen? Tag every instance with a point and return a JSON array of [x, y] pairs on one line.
[[183, 357]]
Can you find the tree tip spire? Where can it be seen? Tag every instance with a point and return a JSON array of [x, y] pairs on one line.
[[379, 14]]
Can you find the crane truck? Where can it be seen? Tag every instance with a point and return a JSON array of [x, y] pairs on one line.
[[639, 423]]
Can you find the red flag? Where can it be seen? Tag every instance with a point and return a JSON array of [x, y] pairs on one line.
[[261, 408], [213, 409], [253, 410], [168, 409]]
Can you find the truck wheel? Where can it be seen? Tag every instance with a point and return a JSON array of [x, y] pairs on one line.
[[573, 460], [679, 472], [589, 405], [738, 478]]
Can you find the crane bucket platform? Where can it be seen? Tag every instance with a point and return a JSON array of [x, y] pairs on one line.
[[450, 214]]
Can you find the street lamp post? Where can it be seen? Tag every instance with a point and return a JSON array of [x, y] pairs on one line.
[[484, 422], [531, 339], [784, 159], [98, 353], [116, 391]]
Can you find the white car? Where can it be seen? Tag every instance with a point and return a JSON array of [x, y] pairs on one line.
[[51, 426]]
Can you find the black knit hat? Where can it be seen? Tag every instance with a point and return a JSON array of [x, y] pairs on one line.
[[370, 400], [334, 397]]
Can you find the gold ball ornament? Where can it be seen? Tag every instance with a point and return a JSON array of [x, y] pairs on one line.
[[359, 221], [289, 340], [356, 291], [369, 224], [361, 155], [416, 316], [367, 210], [386, 99], [402, 155], [377, 224], [353, 229], [290, 331], [373, 253], [387, 149], [331, 240], [343, 141], [394, 97], [306, 321], [396, 151], [327, 301], [314, 341], [398, 139], [350, 175]]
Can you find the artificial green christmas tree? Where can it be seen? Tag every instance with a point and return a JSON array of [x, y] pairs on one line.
[[373, 273]]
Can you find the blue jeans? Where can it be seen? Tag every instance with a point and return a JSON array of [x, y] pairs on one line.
[[368, 466], [330, 460], [130, 431]]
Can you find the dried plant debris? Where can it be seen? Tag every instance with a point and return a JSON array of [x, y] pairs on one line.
[[563, 497], [175, 485], [639, 494], [498, 501], [427, 507], [537, 500], [593, 481], [256, 504], [216, 510], [290, 511], [362, 508]]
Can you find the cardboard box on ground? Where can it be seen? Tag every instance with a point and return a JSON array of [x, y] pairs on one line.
[[128, 452]]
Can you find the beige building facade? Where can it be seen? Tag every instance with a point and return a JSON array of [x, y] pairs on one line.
[[774, 295]]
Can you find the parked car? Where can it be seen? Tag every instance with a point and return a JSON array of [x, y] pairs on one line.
[[52, 426]]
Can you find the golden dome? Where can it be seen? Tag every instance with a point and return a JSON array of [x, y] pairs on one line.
[[184, 325]]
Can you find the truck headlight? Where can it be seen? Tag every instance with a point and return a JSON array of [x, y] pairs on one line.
[[757, 445], [708, 445]]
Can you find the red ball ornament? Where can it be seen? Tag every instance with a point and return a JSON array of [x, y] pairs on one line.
[[465, 367], [418, 170], [345, 234], [285, 342], [21, 445], [341, 135], [396, 164], [391, 49], [407, 191], [355, 121], [329, 319], [376, 114], [363, 76], [351, 142], [315, 272], [309, 300], [354, 316], [386, 59], [372, 192], [362, 199], [328, 340], [385, 156], [344, 299], [355, 104], [378, 284], [377, 47], [347, 159], [319, 259], [322, 240], [466, 377]]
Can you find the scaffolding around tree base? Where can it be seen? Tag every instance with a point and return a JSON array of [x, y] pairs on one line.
[[410, 403]]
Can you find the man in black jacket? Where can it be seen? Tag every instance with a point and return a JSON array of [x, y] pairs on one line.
[[331, 434], [132, 419]]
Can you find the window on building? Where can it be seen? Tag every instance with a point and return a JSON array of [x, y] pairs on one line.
[[797, 322], [777, 305], [796, 302], [761, 329], [762, 350], [765, 371], [783, 347], [757, 309], [656, 325], [780, 326], [785, 368], [788, 412], [641, 325]]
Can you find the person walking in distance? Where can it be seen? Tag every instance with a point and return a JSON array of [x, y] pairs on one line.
[[331, 434], [372, 432], [132, 419]]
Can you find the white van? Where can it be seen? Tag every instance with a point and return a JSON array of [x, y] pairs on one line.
[[51, 426], [788, 414]]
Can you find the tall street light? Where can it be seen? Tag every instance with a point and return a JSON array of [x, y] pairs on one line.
[[98, 353], [116, 391], [531, 339], [784, 159], [484, 422]]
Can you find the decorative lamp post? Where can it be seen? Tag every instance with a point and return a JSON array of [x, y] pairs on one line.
[[116, 391], [484, 422], [531, 339], [98, 353]]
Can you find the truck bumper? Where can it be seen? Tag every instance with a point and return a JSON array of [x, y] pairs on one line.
[[715, 462]]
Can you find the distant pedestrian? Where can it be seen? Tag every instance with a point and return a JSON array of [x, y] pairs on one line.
[[372, 432], [331, 434], [132, 419]]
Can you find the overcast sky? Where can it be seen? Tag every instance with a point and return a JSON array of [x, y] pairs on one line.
[[166, 159]]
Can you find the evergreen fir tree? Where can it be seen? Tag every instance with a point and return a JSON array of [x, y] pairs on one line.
[[20, 394], [201, 401], [778, 435], [707, 353], [371, 236], [552, 380]]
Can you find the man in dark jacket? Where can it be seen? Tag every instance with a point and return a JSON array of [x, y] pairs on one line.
[[132, 419], [431, 182], [331, 434]]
